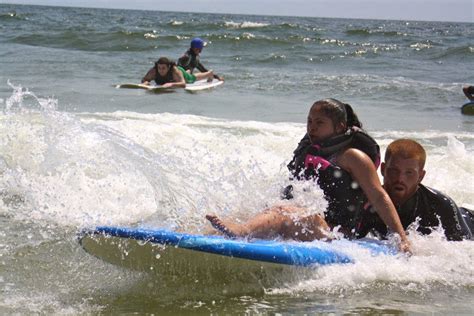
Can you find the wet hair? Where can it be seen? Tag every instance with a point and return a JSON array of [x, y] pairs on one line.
[[165, 61], [407, 149], [338, 112]]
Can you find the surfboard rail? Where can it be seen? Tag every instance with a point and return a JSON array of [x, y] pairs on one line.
[[271, 251], [152, 88], [190, 87], [202, 85]]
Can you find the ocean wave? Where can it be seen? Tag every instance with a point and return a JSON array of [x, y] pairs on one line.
[[148, 40], [12, 16], [259, 39], [246, 24], [333, 41], [344, 48], [369, 50], [109, 41], [421, 46], [175, 23], [120, 39], [456, 52], [378, 32]]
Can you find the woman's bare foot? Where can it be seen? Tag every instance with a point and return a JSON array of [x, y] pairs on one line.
[[230, 230]]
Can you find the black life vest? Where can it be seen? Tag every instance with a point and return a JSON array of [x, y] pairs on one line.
[[161, 80], [353, 138], [345, 198]]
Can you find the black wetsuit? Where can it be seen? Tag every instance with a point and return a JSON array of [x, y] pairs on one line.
[[345, 197], [427, 205], [190, 60]]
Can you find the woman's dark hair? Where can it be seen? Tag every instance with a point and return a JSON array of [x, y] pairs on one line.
[[165, 61], [338, 112]]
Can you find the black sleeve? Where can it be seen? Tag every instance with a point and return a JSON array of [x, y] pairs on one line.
[[287, 192], [466, 217], [302, 145], [454, 227]]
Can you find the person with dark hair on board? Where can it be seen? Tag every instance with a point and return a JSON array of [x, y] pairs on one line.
[[342, 159], [403, 171], [469, 92], [190, 59], [166, 73]]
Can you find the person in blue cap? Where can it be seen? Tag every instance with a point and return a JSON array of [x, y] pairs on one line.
[[190, 60]]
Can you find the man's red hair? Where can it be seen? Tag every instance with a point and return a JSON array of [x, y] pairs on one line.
[[406, 149]]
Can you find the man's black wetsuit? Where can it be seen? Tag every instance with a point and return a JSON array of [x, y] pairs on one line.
[[427, 204], [190, 60]]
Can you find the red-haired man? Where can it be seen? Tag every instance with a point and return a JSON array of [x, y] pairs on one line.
[[403, 171]]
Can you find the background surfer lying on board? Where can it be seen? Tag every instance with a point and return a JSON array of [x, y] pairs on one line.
[[190, 59], [167, 74], [403, 171], [346, 173]]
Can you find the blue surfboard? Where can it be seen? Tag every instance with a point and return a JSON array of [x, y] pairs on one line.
[[163, 251]]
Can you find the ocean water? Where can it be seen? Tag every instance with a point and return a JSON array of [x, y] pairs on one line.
[[76, 152]]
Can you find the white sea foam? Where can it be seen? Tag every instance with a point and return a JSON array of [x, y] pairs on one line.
[[432, 266], [123, 168], [150, 35]]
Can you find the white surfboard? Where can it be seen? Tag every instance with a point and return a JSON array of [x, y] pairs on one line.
[[153, 88], [190, 87], [202, 85]]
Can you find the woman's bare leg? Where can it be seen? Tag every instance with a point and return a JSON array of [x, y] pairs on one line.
[[275, 222], [267, 224], [309, 228]]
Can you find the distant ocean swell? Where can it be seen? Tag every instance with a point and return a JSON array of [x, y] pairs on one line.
[[139, 41], [314, 46]]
